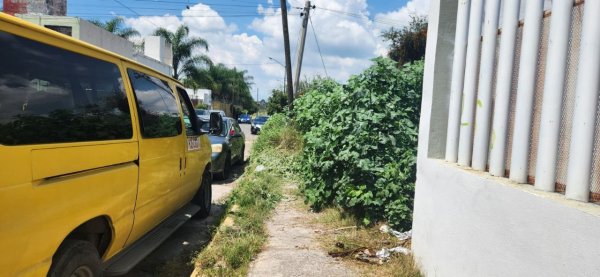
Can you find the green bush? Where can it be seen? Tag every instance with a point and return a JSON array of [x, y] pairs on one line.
[[360, 142]]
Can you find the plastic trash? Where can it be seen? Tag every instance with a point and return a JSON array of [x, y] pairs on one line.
[[385, 253], [402, 236], [260, 168]]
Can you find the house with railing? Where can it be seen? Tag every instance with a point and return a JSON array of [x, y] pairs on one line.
[[508, 175]]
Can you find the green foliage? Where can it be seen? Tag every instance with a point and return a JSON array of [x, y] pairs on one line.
[[228, 85], [360, 142], [277, 102], [407, 44], [280, 134], [184, 61], [202, 106]]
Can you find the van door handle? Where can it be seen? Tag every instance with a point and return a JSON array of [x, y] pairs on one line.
[[180, 165]]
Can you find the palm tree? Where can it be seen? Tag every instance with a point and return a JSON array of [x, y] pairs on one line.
[[184, 61], [228, 85], [116, 27]]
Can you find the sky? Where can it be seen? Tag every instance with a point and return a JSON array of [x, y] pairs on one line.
[[246, 33]]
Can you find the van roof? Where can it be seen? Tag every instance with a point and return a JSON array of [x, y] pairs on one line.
[[6, 18]]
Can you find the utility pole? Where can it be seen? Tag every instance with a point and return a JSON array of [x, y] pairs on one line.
[[305, 14], [256, 95], [288, 59]]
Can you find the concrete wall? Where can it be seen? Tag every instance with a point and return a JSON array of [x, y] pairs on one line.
[[467, 223], [90, 33], [152, 63], [97, 36]]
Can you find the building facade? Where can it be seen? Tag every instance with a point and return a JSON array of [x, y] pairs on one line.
[[47, 7], [508, 171]]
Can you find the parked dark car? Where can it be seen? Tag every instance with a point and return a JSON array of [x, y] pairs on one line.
[[244, 118], [201, 112], [221, 112], [227, 147], [257, 124]]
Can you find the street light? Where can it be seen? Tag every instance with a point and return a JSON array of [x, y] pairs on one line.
[[284, 71]]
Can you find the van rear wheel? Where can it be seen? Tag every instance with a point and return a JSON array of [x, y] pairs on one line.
[[203, 197], [76, 258]]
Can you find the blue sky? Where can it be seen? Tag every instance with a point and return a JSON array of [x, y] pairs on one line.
[[245, 33]]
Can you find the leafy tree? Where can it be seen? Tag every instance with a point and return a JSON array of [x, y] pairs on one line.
[[184, 60], [407, 44], [202, 106], [228, 85], [277, 102], [360, 142], [115, 26]]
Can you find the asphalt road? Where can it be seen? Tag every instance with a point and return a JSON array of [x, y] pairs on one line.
[[174, 257]]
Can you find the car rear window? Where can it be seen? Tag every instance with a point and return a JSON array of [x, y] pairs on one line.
[[51, 95]]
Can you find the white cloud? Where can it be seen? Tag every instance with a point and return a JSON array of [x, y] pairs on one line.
[[348, 38], [403, 15]]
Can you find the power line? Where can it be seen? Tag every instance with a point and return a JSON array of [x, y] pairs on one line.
[[363, 17], [149, 15], [134, 12], [318, 47]]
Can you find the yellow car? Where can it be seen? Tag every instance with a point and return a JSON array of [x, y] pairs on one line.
[[97, 163]]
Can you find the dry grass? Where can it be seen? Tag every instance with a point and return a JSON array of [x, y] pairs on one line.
[[340, 235]]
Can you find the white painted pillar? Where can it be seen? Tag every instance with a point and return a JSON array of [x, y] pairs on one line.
[[465, 143], [554, 86], [586, 100], [519, 166], [484, 93], [506, 61], [458, 77]]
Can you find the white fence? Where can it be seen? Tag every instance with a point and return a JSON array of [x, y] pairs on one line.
[[524, 98]]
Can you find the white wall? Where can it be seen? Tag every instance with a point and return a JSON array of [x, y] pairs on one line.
[[91, 33], [467, 223]]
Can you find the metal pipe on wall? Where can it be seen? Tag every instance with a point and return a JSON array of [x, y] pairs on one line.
[[465, 143], [506, 61], [458, 77], [586, 100], [519, 166], [484, 92], [554, 86]]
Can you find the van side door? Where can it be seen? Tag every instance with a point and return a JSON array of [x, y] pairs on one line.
[[160, 149], [196, 153]]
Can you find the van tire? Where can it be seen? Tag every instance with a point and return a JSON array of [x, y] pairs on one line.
[[76, 258], [203, 197]]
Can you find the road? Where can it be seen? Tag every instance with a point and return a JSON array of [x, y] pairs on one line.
[[174, 256]]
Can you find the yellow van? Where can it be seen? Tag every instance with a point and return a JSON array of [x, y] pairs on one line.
[[99, 158]]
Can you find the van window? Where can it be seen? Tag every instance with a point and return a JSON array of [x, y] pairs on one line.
[[51, 95], [189, 118], [157, 106]]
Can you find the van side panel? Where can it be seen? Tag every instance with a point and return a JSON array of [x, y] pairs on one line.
[[54, 162], [73, 182], [37, 217]]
